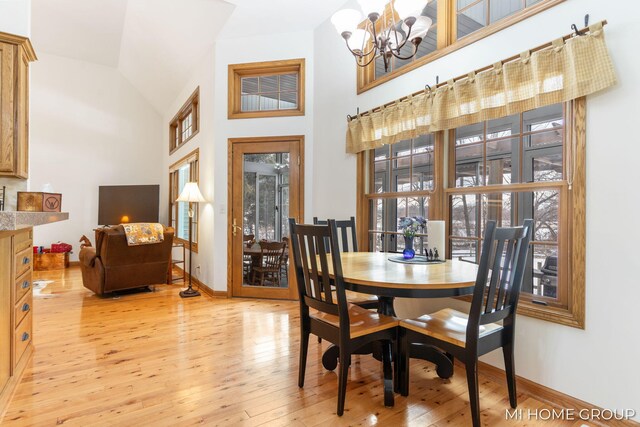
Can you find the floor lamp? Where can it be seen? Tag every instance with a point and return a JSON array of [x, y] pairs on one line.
[[190, 194]]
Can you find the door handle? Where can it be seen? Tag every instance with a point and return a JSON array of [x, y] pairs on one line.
[[235, 227]]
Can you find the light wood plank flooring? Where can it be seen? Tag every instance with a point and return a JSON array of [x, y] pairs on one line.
[[156, 359]]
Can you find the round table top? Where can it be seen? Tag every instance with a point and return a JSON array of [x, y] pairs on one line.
[[373, 273]]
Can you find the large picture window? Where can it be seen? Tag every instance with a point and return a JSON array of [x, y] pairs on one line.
[[183, 171], [528, 165]]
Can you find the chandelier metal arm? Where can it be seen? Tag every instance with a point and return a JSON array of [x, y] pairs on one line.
[[415, 50], [361, 54]]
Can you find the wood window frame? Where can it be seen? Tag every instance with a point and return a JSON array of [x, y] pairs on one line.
[[572, 214], [191, 106], [447, 41], [261, 69], [194, 176]]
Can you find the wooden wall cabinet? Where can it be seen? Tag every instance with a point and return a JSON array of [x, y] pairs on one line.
[[16, 53], [16, 303]]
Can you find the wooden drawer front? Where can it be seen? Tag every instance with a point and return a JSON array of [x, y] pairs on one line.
[[23, 285], [22, 241], [22, 338], [23, 308], [23, 261]]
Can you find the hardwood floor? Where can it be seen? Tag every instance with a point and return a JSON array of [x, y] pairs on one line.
[[156, 359]]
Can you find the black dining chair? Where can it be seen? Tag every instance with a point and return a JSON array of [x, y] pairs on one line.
[[347, 231], [325, 312], [495, 298]]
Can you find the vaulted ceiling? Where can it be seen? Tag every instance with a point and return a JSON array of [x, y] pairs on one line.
[[155, 44]]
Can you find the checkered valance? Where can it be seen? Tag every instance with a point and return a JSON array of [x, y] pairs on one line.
[[564, 71]]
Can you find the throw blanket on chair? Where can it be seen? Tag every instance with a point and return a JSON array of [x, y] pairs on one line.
[[143, 233]]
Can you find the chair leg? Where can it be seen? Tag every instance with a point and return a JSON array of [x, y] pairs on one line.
[[510, 370], [304, 345], [387, 373], [404, 361], [474, 398], [343, 374]]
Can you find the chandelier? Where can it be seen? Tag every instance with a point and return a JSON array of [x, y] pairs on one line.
[[382, 34]]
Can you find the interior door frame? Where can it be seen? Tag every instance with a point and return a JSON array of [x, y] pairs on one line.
[[262, 143]]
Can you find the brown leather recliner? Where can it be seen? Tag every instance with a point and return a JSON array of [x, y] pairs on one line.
[[113, 265]]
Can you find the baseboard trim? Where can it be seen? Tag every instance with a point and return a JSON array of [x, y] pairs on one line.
[[203, 287], [549, 396]]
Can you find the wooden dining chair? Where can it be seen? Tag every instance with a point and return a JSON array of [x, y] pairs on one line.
[[347, 228], [270, 262], [325, 312], [247, 261], [495, 298]]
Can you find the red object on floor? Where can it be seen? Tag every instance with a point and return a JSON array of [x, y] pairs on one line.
[[60, 248]]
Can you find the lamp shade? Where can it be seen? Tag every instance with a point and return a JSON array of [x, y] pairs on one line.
[[372, 6], [191, 193], [346, 20], [358, 40], [409, 7], [420, 28]]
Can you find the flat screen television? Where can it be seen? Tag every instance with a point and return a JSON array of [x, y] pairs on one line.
[[119, 204]]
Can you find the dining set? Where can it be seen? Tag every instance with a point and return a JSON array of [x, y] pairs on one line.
[[265, 262], [328, 277]]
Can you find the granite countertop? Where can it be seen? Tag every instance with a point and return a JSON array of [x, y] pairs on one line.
[[13, 220]]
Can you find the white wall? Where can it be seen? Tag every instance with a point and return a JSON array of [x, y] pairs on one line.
[[15, 17], [216, 129], [598, 364], [89, 127]]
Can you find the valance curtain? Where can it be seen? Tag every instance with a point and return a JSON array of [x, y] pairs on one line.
[[566, 70]]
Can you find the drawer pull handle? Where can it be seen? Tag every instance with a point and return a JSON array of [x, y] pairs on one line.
[[25, 284], [25, 307], [25, 336], [25, 260]]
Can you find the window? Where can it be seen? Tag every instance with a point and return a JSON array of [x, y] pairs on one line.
[[186, 124], [402, 181], [529, 165], [181, 172], [266, 89], [455, 24]]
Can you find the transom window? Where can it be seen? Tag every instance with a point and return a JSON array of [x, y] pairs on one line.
[[268, 93], [455, 24], [266, 89], [186, 123]]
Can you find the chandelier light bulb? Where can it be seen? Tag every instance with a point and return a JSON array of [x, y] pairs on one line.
[[346, 20], [406, 8]]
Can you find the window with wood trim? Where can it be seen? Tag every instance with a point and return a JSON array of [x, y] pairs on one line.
[[455, 24], [183, 171], [186, 123], [528, 165], [266, 89]]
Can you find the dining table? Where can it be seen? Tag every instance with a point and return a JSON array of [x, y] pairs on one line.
[[389, 276]]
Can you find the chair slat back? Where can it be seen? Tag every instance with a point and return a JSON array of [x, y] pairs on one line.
[[346, 228], [310, 252], [500, 272], [271, 253]]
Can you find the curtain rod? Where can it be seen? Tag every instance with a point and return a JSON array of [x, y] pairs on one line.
[[575, 33]]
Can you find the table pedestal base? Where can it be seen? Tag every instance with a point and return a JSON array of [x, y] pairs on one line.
[[442, 360]]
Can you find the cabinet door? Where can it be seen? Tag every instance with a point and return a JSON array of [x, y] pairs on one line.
[[5, 310], [22, 129], [7, 54]]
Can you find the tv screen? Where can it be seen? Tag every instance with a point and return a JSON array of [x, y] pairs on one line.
[[119, 204]]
